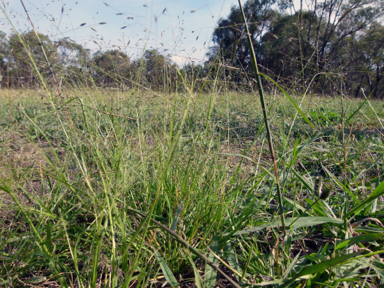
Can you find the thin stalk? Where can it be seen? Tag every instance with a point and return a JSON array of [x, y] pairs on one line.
[[343, 136], [46, 60], [269, 136], [186, 244], [10, 108], [300, 44]]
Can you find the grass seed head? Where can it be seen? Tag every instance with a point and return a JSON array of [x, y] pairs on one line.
[[318, 186], [326, 191]]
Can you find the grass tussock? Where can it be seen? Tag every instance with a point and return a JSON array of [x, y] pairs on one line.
[[127, 193], [177, 186]]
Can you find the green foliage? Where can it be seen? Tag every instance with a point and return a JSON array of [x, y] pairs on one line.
[[110, 66], [147, 189], [323, 117], [309, 46], [98, 179], [21, 52]]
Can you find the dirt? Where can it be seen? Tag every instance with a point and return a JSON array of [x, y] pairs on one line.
[[21, 169]]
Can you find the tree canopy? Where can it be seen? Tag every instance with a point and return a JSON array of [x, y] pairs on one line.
[[308, 46]]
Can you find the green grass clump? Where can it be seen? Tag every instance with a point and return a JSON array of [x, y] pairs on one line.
[[136, 190]]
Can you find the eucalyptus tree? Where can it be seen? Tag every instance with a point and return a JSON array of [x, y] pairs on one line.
[[337, 19], [111, 67], [27, 46], [285, 53], [230, 38], [72, 53], [4, 52], [300, 46], [157, 68], [373, 44], [75, 61]]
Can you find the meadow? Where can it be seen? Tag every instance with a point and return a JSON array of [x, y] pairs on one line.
[[172, 178], [134, 188]]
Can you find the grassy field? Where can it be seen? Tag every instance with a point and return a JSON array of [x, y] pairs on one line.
[[138, 189]]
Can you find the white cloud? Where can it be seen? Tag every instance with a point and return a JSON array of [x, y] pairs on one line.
[[180, 60]]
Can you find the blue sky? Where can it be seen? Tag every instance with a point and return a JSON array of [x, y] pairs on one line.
[[184, 30]]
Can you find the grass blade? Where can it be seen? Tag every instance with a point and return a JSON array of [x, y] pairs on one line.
[[358, 109], [177, 217], [374, 195], [299, 222], [362, 238], [232, 259], [166, 271], [210, 273], [291, 100], [319, 268], [198, 280], [341, 185], [291, 265]]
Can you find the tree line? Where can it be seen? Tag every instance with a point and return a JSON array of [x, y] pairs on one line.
[[74, 65], [326, 47]]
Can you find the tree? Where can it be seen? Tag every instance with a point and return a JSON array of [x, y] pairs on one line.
[[111, 67], [75, 61], [294, 48], [373, 44], [283, 52], [4, 50], [156, 68], [230, 38], [22, 50], [72, 53]]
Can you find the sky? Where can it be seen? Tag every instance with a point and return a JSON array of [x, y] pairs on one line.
[[180, 29]]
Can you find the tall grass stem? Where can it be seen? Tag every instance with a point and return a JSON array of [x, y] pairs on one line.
[[269, 136], [46, 60]]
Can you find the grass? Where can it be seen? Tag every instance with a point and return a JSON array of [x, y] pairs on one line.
[[146, 190], [142, 189]]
